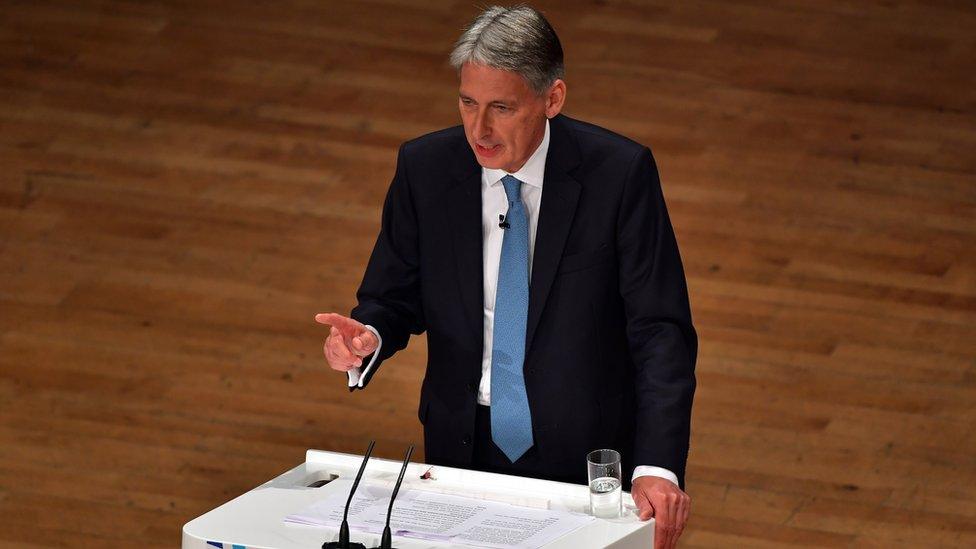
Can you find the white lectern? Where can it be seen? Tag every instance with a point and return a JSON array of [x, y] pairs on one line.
[[255, 520]]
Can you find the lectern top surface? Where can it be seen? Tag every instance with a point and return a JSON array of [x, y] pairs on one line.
[[256, 519]]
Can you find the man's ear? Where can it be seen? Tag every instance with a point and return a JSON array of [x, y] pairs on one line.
[[555, 98]]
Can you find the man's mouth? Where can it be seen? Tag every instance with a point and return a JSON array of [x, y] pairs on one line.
[[488, 151]]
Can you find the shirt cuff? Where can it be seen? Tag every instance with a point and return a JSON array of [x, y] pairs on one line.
[[652, 471], [359, 374]]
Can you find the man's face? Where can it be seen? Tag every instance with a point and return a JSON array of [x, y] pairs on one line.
[[504, 120]]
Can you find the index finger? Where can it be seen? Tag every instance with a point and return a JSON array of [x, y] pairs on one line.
[[327, 318], [342, 323], [645, 510]]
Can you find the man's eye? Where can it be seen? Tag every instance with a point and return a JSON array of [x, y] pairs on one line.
[[501, 108], [467, 102]]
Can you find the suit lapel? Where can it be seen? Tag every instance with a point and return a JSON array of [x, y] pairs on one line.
[[463, 202], [560, 194]]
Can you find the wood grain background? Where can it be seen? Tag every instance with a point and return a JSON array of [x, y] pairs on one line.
[[184, 184]]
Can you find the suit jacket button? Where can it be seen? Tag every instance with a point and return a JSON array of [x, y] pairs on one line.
[[466, 440]]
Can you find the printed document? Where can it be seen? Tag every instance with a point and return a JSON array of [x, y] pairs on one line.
[[442, 517]]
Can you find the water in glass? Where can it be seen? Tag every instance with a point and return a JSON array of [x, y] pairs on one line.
[[605, 497]]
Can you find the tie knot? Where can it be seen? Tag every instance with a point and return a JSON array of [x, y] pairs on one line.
[[513, 188]]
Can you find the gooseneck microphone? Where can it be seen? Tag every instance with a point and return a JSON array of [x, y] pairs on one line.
[[343, 542], [387, 540]]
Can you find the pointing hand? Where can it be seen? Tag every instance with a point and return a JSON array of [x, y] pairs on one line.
[[348, 341]]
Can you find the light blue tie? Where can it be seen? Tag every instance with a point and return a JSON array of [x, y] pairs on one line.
[[511, 424]]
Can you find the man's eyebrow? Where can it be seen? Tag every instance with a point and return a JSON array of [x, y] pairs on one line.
[[508, 102]]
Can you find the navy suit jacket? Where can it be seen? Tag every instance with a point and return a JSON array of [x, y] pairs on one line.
[[610, 346]]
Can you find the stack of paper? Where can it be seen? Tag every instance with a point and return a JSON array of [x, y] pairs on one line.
[[442, 517]]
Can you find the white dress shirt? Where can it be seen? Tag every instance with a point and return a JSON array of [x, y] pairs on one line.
[[494, 202]]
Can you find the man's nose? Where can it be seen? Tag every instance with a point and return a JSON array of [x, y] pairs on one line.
[[482, 124]]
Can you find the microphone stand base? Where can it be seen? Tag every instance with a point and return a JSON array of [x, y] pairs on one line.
[[337, 545]]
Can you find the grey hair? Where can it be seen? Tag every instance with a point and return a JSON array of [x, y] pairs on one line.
[[517, 39]]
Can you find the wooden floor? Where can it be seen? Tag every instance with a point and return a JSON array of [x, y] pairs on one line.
[[183, 185]]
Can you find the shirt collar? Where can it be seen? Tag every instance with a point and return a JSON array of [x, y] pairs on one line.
[[532, 172]]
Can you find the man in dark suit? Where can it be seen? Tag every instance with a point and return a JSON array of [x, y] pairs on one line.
[[536, 252]]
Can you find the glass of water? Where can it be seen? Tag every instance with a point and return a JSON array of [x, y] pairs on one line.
[[604, 476]]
